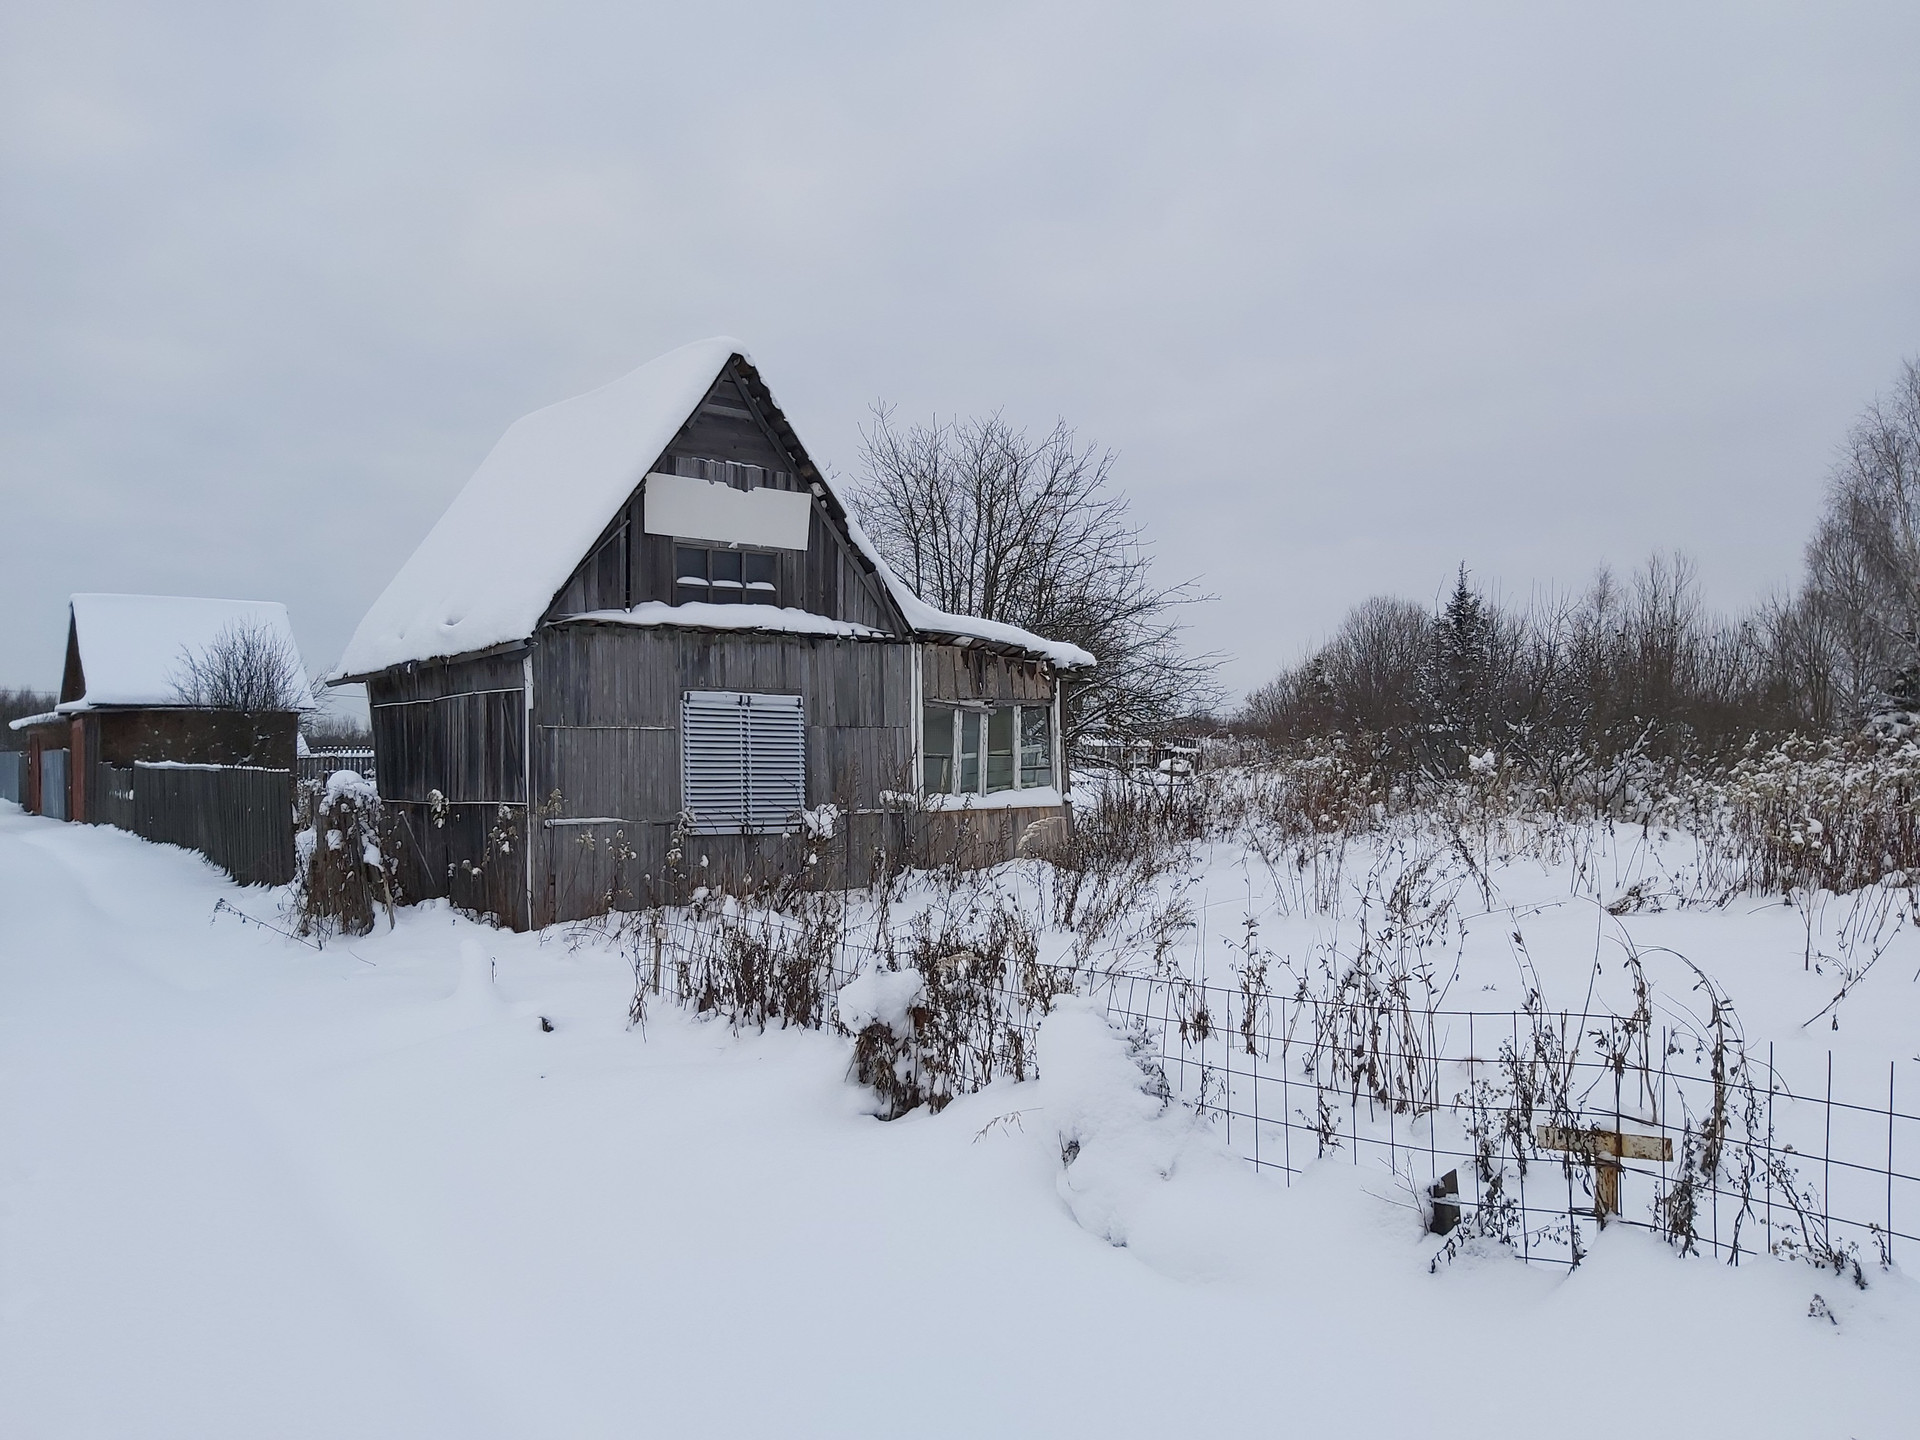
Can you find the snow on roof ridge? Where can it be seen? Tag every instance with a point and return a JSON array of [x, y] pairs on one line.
[[705, 615], [487, 570]]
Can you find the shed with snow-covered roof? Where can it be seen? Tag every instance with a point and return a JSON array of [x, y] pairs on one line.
[[122, 701], [646, 647]]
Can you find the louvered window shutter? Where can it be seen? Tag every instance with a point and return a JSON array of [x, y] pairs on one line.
[[743, 761]]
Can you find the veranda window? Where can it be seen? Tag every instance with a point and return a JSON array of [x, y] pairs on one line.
[[983, 750]]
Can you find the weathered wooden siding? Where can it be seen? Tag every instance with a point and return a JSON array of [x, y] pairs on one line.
[[955, 672], [971, 839], [457, 727], [729, 437], [607, 752]]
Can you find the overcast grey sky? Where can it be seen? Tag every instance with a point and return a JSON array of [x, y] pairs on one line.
[[1357, 293]]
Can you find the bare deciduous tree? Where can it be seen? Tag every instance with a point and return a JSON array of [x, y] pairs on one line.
[[980, 518], [1863, 563], [244, 667], [1642, 667], [1367, 678]]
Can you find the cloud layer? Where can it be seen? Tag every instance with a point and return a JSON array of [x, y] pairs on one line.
[[1356, 297]]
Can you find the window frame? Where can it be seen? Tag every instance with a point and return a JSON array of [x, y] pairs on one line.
[[956, 757], [743, 589]]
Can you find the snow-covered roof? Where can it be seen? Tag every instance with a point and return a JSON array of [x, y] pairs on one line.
[[926, 620], [490, 567], [701, 615], [132, 646]]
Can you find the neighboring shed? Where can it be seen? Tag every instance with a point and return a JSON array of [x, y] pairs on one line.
[[120, 707], [646, 646]]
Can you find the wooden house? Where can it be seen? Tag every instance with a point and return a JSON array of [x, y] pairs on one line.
[[120, 704], [647, 648]]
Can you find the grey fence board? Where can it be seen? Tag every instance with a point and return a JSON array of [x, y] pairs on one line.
[[238, 817], [53, 784], [13, 776], [322, 763], [111, 798]]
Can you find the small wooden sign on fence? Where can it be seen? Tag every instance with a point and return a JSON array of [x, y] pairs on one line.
[[1604, 1150]]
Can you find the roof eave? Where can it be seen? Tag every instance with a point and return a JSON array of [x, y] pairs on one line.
[[487, 652]]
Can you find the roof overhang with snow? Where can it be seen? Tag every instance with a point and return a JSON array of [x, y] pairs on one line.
[[488, 571], [127, 651]]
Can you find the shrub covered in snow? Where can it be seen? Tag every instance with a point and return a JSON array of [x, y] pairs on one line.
[[343, 869], [1107, 1100]]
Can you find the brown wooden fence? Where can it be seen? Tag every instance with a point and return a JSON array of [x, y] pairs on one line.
[[239, 817]]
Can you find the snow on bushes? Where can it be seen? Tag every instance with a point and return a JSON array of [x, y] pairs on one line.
[[882, 997], [1374, 916], [342, 869], [1108, 1102]]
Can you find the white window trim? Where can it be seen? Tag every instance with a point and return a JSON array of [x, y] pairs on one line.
[[962, 707]]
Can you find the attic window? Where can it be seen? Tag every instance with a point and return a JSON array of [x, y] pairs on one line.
[[724, 576], [743, 761]]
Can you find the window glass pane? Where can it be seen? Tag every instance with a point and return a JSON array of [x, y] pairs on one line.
[[1000, 750], [726, 575], [1036, 745], [762, 588], [970, 728], [936, 746], [690, 565]]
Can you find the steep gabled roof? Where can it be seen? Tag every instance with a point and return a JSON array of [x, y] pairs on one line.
[[491, 564], [490, 567], [128, 649]]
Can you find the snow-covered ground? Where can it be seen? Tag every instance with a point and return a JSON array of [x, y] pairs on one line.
[[248, 1188]]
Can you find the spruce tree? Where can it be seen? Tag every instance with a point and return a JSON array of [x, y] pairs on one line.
[[1456, 704]]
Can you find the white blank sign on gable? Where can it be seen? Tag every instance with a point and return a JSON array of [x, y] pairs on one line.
[[696, 509]]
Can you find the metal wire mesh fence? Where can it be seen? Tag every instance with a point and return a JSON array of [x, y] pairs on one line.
[[1527, 1128], [1534, 1128]]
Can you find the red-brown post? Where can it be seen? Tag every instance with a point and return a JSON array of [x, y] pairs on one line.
[[77, 772]]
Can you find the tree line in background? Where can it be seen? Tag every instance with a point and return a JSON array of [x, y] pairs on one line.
[[1639, 666], [17, 704]]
